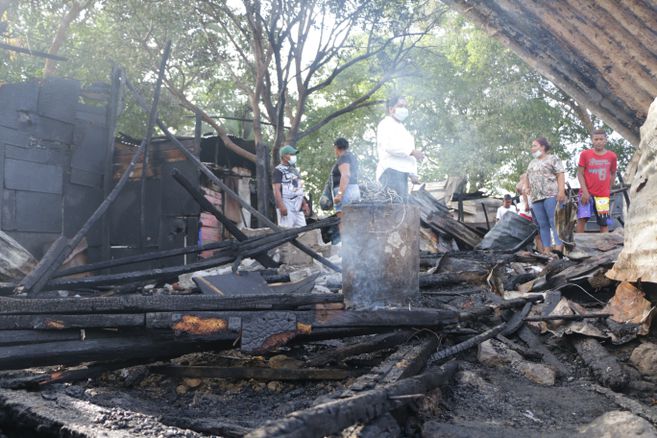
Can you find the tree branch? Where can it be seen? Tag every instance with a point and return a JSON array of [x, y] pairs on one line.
[[210, 121]]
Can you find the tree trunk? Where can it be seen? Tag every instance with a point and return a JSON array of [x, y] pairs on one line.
[[60, 36]]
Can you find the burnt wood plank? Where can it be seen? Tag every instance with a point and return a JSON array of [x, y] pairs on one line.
[[371, 344], [61, 322], [142, 303]]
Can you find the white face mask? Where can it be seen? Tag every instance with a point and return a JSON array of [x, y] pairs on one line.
[[537, 154], [293, 160], [401, 113]]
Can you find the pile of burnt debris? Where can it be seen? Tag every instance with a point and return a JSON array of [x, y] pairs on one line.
[[229, 347]]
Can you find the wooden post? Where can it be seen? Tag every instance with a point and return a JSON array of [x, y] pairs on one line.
[[262, 181], [110, 121]]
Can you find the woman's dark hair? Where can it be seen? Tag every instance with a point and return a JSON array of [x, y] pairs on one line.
[[392, 100], [341, 143], [543, 142]]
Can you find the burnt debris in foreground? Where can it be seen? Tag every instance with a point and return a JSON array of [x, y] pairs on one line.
[[497, 343]]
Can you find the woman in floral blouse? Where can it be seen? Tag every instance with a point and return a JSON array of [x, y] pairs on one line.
[[546, 186]]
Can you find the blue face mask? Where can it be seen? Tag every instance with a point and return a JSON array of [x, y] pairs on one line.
[[293, 160]]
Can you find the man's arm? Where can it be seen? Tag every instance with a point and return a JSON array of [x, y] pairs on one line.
[[612, 171], [279, 199], [345, 174], [582, 185]]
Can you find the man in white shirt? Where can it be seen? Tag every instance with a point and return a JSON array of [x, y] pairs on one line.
[[398, 157], [506, 207]]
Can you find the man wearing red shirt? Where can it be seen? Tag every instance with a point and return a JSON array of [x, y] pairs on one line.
[[595, 172]]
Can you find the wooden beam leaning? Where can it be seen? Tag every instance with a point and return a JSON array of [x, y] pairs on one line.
[[206, 205], [225, 188], [149, 135], [36, 53], [247, 248], [57, 253]]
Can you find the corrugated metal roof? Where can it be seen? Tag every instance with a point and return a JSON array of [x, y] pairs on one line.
[[603, 53]]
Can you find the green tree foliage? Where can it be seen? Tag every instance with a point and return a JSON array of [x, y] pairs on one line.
[[315, 71]]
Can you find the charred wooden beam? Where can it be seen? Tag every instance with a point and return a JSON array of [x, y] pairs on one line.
[[63, 322], [247, 248], [534, 342], [332, 417], [155, 255], [31, 52], [23, 337], [605, 367], [206, 205], [257, 373], [376, 343], [147, 140], [452, 278], [567, 317], [158, 303], [127, 347]]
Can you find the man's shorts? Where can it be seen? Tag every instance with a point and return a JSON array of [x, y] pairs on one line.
[[595, 206]]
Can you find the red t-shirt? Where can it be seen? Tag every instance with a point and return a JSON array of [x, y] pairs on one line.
[[599, 171]]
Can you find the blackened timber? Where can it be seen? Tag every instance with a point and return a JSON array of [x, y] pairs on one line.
[[262, 180], [206, 205], [36, 53], [129, 347], [448, 352], [325, 318], [158, 303], [332, 417], [245, 249], [257, 373], [207, 172], [70, 375], [376, 343], [52, 260], [22, 337], [451, 278], [155, 255], [147, 140], [463, 234], [62, 322], [605, 367]]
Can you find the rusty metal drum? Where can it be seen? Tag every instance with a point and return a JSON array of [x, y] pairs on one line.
[[380, 255]]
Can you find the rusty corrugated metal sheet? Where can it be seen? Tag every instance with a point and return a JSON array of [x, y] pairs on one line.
[[603, 53], [638, 260]]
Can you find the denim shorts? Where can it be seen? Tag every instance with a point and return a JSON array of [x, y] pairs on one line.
[[351, 194]]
